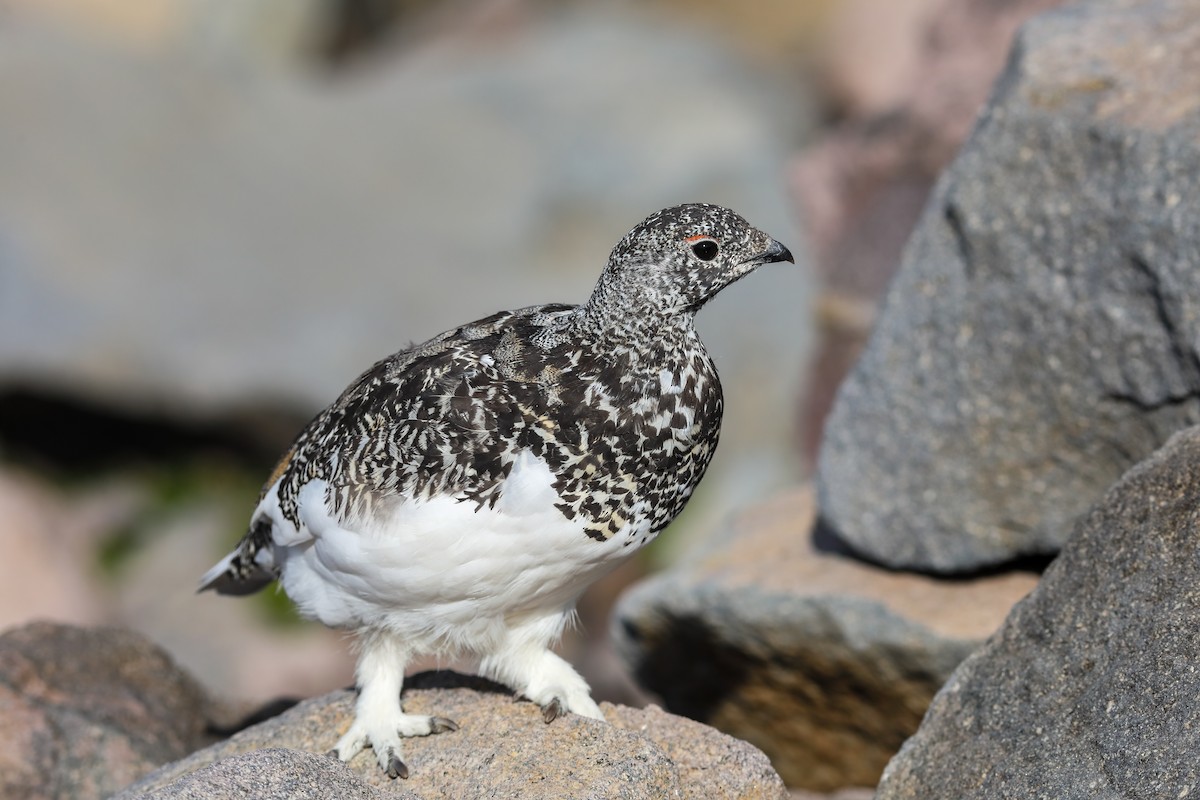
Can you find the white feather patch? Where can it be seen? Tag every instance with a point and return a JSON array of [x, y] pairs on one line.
[[441, 573]]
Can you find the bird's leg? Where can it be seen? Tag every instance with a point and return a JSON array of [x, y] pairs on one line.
[[525, 663], [379, 721]]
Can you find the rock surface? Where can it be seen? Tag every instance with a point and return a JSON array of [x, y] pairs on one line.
[[86, 711], [275, 774], [1090, 690], [504, 749], [1040, 336], [825, 663], [911, 76]]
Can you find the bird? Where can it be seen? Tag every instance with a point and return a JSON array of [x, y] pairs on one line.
[[458, 497]]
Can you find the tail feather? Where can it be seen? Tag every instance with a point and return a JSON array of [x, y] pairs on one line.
[[242, 571], [229, 577]]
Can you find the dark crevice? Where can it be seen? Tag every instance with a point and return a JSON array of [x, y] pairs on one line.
[[1171, 401], [691, 667], [431, 679], [353, 28], [962, 243], [826, 539], [73, 435], [449, 679]]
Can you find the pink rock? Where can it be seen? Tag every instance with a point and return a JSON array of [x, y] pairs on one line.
[[85, 711], [50, 543]]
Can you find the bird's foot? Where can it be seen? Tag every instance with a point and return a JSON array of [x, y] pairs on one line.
[[383, 733], [538, 674], [559, 704], [553, 710]]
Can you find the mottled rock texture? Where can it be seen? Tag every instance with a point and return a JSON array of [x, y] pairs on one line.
[[825, 663], [275, 774], [1090, 689], [86, 711], [504, 749], [1041, 335]]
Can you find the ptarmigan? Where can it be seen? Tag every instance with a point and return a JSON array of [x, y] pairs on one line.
[[461, 494]]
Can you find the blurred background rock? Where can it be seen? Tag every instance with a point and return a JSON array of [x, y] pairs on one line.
[[213, 215]]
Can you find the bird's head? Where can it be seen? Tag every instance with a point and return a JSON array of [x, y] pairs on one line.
[[676, 260]]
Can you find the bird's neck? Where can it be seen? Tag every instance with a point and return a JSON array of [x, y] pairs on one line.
[[641, 317]]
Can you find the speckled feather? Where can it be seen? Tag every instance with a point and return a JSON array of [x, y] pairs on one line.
[[618, 396], [461, 494]]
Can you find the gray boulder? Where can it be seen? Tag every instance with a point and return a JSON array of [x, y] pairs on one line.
[[911, 77], [274, 774], [1090, 689], [85, 711], [503, 749], [1040, 337], [824, 662]]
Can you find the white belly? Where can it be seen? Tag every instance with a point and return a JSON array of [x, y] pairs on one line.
[[441, 574]]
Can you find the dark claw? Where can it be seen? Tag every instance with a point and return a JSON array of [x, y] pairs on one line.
[[396, 768], [442, 725], [553, 710]]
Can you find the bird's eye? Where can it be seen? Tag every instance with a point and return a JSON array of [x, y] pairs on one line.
[[705, 249]]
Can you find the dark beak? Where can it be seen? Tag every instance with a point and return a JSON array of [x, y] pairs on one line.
[[776, 252]]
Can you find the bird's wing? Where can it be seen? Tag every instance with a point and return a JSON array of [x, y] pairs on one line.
[[444, 417]]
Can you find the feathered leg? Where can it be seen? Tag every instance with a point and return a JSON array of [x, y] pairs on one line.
[[379, 720], [525, 663]]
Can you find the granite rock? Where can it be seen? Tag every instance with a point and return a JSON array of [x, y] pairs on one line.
[[1090, 689], [86, 711], [504, 749], [274, 774], [1040, 336], [823, 662]]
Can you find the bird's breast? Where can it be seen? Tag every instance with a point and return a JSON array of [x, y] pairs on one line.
[[642, 440]]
